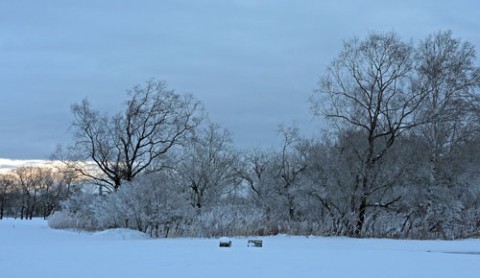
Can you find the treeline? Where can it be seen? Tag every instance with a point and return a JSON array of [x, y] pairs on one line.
[[28, 192], [400, 159]]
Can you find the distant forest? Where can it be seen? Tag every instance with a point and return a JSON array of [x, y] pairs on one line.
[[401, 158]]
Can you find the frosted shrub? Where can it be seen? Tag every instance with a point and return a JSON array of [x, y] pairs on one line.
[[78, 212], [152, 204], [228, 220], [61, 220]]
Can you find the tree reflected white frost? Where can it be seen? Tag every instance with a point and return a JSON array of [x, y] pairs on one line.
[[401, 158]]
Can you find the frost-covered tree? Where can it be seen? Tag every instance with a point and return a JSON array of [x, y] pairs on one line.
[[210, 167], [367, 89], [400, 161], [450, 78], [447, 72]]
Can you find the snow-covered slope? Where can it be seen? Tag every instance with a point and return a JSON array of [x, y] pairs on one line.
[[31, 249]]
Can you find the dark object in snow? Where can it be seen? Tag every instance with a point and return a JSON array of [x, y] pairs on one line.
[[255, 243], [456, 252], [225, 242]]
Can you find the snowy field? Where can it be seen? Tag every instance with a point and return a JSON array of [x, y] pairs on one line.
[[31, 249]]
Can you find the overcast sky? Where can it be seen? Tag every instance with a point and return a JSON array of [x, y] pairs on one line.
[[252, 63]]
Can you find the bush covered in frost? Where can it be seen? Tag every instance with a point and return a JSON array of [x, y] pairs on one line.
[[153, 204]]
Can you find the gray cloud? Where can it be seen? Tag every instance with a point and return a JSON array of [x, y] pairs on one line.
[[252, 63]]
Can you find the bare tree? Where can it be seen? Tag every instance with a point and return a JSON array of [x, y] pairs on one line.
[[138, 139], [368, 89], [7, 183], [29, 182], [256, 173], [274, 178], [289, 166], [331, 177], [54, 186]]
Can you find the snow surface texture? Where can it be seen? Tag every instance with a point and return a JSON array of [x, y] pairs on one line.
[[31, 249]]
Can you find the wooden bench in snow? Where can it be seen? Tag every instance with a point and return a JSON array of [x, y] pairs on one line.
[[255, 243], [225, 242]]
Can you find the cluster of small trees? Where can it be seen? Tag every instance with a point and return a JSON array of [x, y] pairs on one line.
[[401, 158], [28, 192]]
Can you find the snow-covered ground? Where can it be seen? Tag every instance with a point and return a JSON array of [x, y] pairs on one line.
[[31, 249]]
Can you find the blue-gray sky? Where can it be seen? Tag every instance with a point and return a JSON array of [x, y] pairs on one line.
[[252, 63]]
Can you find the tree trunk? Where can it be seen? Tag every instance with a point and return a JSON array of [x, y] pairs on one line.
[[361, 217], [366, 183]]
